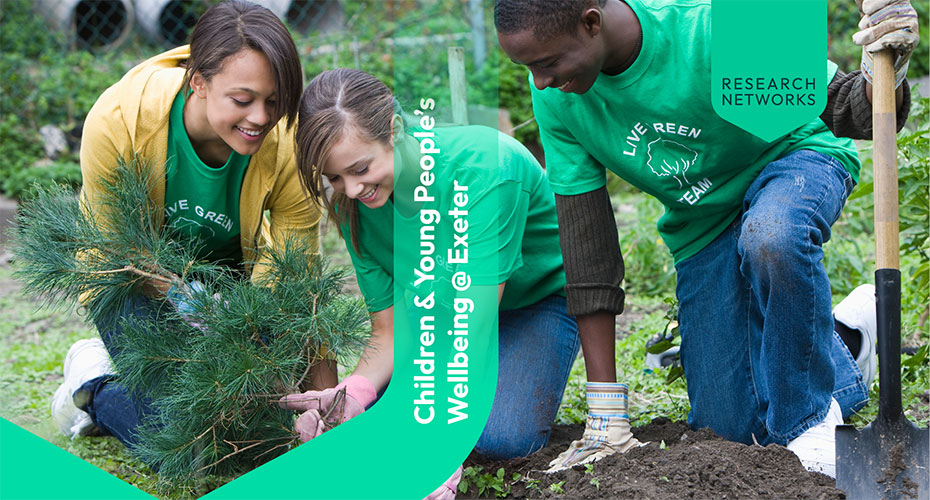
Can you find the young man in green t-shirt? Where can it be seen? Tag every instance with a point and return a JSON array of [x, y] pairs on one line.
[[625, 86]]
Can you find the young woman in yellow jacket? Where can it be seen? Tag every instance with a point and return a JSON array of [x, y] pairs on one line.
[[215, 122]]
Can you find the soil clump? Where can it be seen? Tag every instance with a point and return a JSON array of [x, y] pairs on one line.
[[677, 463]]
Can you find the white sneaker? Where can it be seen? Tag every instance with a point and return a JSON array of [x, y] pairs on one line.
[[857, 311], [816, 447], [86, 359]]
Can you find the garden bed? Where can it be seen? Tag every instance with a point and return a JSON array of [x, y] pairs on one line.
[[677, 463]]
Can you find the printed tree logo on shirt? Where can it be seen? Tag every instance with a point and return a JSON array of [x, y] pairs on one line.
[[669, 158], [192, 227]]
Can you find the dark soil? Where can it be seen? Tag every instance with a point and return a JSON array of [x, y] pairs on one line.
[[690, 464]]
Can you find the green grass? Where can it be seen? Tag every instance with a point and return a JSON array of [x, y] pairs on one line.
[[33, 343], [32, 349]]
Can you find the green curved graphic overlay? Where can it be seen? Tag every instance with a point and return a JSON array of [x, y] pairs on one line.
[[33, 468], [445, 340], [445, 230], [768, 63]]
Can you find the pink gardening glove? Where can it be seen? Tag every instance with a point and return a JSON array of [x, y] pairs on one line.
[[448, 489], [323, 410]]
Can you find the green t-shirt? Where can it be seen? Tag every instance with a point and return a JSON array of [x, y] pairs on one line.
[[654, 125], [201, 201], [524, 239]]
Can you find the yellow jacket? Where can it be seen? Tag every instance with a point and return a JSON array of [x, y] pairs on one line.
[[131, 118]]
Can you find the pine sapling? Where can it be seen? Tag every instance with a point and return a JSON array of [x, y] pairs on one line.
[[208, 379]]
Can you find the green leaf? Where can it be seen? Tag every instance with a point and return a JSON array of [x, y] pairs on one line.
[[660, 347], [863, 189], [675, 372]]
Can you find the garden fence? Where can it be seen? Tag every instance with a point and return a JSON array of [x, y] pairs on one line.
[[100, 25]]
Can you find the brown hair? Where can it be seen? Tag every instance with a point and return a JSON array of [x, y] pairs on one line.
[[334, 101], [228, 27]]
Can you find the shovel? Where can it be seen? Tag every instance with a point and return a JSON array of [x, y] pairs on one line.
[[889, 458]]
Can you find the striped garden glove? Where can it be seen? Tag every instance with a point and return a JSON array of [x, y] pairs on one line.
[[887, 24], [607, 430]]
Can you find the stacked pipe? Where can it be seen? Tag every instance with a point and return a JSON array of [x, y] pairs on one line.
[[169, 22], [92, 24], [105, 24]]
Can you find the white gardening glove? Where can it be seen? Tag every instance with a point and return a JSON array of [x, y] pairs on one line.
[[887, 24], [607, 430]]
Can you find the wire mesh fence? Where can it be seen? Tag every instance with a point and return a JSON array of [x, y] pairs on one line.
[[99, 25], [106, 24], [368, 35]]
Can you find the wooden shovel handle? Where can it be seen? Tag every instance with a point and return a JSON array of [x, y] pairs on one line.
[[885, 161]]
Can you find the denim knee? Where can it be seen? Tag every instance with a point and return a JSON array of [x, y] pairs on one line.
[[504, 444], [741, 425], [537, 347], [774, 242]]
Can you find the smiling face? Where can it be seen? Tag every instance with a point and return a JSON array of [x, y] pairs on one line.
[[235, 109], [568, 62], [361, 168]]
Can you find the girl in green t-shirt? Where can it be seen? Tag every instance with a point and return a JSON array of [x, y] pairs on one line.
[[352, 133]]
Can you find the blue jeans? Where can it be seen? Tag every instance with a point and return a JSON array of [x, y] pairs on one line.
[[537, 345], [757, 342], [112, 407]]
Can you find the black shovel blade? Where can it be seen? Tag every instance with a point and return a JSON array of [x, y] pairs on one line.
[[886, 460]]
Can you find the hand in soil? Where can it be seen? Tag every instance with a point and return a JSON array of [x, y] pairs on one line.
[[603, 436]]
